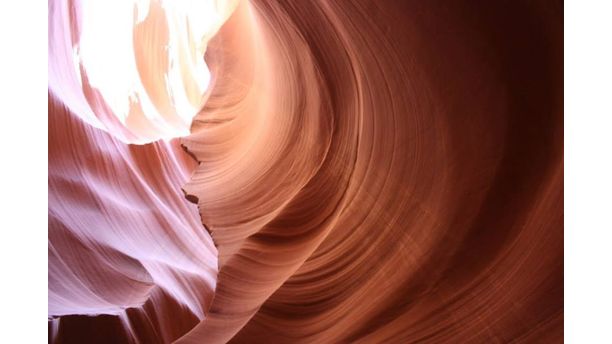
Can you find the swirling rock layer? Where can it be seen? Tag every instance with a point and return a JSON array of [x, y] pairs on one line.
[[123, 241], [369, 171], [384, 172]]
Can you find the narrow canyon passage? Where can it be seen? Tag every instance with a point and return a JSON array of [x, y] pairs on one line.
[[307, 172]]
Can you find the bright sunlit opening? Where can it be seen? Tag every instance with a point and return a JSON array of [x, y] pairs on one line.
[[139, 64]]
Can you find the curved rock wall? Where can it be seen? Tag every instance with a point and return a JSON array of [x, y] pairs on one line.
[[368, 171]]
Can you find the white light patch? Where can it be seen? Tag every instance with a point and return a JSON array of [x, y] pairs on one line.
[[107, 51]]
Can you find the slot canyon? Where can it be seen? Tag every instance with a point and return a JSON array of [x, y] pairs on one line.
[[271, 171]]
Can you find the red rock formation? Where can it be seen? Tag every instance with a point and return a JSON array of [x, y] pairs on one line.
[[369, 171], [121, 236]]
